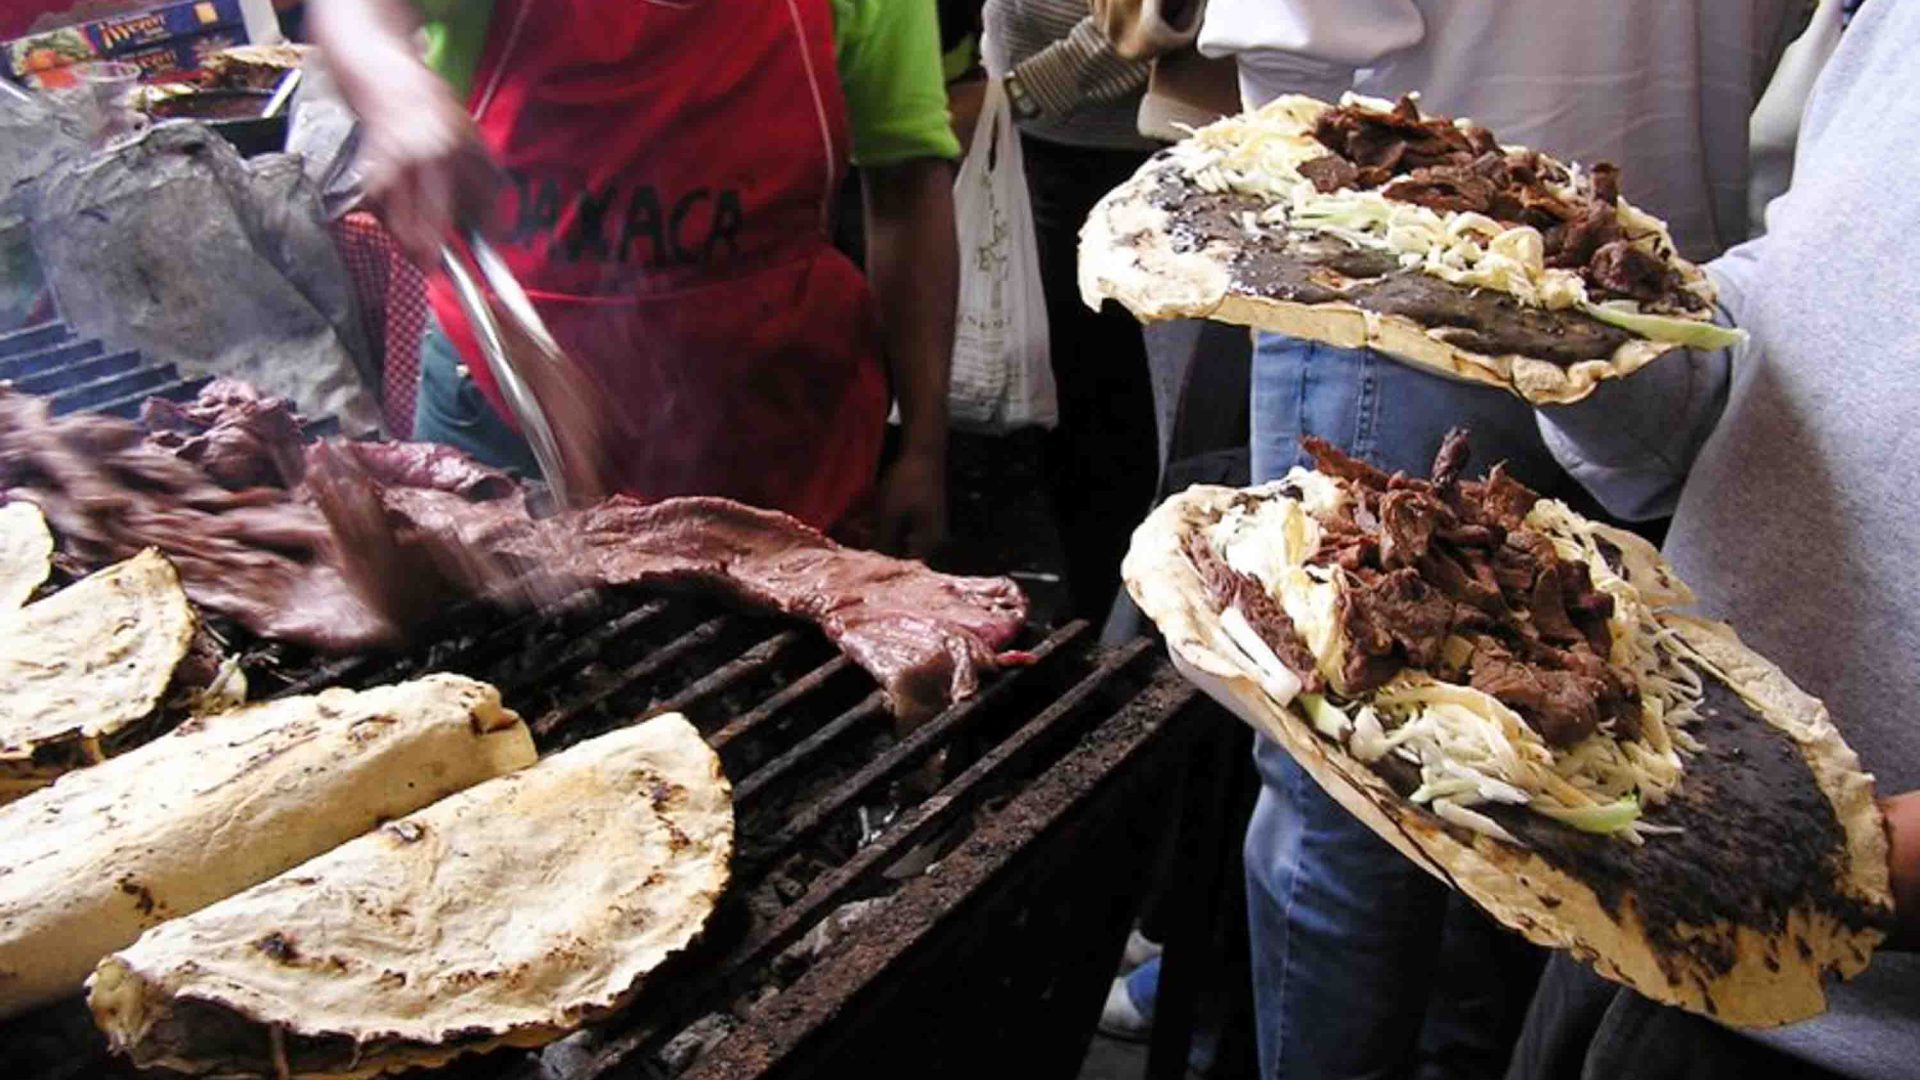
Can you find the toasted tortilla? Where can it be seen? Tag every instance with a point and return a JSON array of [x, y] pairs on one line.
[[222, 803], [1775, 978], [508, 914], [83, 670], [26, 553], [1128, 253]]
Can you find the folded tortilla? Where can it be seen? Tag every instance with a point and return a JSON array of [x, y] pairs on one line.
[[222, 803], [26, 553], [84, 671], [508, 914]]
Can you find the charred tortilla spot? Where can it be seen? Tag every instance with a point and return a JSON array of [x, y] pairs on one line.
[[666, 795], [370, 728], [143, 901], [277, 946], [407, 832]]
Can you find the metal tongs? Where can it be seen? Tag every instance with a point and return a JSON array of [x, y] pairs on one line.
[[509, 365]]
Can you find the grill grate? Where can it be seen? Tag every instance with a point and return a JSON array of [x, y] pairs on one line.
[[809, 746], [79, 375]]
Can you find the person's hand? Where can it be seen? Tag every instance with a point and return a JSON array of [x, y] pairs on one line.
[[427, 173], [1903, 843], [910, 507]]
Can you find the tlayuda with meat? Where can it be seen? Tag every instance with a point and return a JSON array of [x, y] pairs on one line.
[[1368, 223], [1509, 694]]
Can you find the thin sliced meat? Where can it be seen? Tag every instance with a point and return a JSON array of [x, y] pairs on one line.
[[383, 537], [1425, 561]]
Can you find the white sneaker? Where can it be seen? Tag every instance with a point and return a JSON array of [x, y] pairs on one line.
[[1119, 1019], [1139, 951]]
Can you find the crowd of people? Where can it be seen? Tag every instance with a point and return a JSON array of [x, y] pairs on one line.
[[663, 177]]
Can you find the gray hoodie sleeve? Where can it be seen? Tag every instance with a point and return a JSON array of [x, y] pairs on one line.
[[1633, 440]]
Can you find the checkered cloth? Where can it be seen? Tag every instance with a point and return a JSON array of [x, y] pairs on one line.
[[392, 294]]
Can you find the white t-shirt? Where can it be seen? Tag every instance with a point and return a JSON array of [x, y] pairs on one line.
[[1661, 88]]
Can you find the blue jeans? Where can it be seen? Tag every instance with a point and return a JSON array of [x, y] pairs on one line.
[[1345, 930], [451, 410]]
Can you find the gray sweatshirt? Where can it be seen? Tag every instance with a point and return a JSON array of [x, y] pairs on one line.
[[1793, 466]]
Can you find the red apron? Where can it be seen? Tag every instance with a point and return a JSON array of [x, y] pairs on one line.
[[673, 165]]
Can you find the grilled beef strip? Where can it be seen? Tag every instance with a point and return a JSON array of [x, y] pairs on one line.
[[1431, 161], [1425, 560], [343, 546], [1229, 588]]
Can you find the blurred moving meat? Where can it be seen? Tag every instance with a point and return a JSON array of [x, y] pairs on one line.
[[345, 546]]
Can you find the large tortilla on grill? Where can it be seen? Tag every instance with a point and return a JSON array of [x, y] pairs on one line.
[[222, 803], [1773, 978], [508, 914], [1166, 249], [26, 553], [85, 671]]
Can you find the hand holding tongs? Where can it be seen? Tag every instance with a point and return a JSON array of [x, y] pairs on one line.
[[540, 363]]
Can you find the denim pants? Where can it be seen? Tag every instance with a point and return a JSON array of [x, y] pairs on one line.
[[451, 410], [1346, 932]]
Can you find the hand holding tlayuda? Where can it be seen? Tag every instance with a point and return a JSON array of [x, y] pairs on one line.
[[1368, 224], [1510, 695]]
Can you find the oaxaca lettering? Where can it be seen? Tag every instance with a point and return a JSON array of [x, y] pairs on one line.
[[627, 224]]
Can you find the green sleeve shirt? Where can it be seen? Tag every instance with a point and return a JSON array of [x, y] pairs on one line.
[[889, 61]]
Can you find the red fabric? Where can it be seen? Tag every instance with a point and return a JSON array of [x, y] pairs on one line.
[[392, 294], [673, 166]]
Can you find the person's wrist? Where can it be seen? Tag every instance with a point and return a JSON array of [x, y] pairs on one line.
[[1902, 813], [1019, 97], [924, 449], [405, 85]]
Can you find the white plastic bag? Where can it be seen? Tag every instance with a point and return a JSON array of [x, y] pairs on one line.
[[1002, 369]]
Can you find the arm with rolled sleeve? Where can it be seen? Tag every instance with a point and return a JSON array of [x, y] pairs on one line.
[[1633, 441], [1080, 69]]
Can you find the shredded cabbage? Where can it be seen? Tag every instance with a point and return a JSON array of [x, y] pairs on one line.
[[1611, 818], [1470, 748], [1260, 154], [1276, 678], [1691, 333], [1328, 719]]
